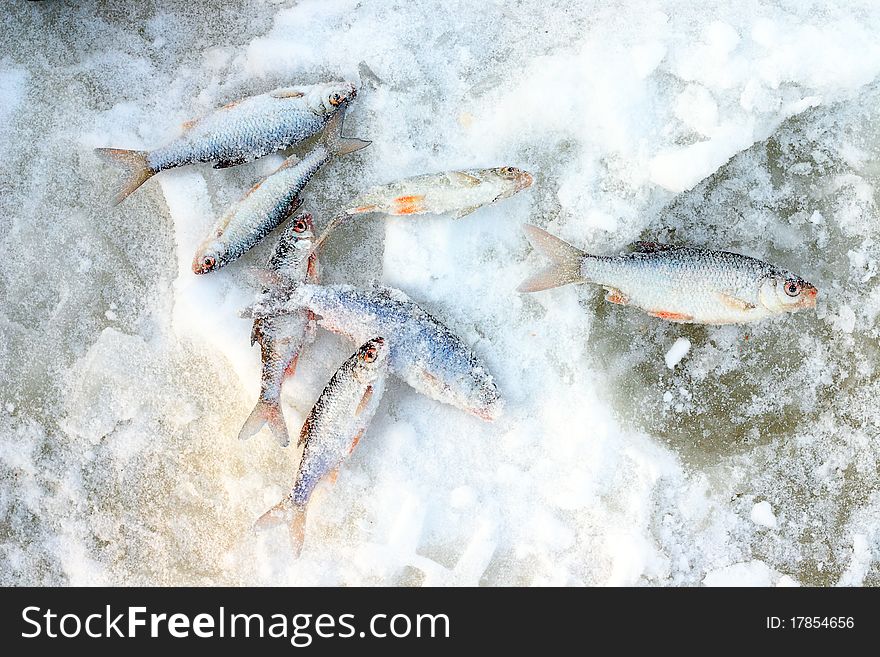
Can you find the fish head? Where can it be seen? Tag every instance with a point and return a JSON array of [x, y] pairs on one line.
[[783, 291], [327, 98], [472, 390], [512, 179], [210, 255], [372, 360], [293, 250]]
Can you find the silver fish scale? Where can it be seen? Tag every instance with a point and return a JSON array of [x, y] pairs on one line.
[[682, 280], [267, 204], [250, 129], [282, 337], [334, 422], [422, 351]]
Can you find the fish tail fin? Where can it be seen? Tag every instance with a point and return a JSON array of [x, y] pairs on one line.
[[266, 412], [138, 171], [286, 512], [565, 261], [336, 142]]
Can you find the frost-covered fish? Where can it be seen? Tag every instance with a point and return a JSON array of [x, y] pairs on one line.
[[679, 284], [238, 132], [423, 352], [331, 432], [456, 192], [270, 201], [281, 337]]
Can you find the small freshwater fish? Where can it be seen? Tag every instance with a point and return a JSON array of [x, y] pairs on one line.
[[331, 431], [281, 337], [423, 352], [236, 133], [679, 284], [456, 192], [270, 201]]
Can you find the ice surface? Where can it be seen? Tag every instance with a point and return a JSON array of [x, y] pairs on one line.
[[125, 378], [762, 514]]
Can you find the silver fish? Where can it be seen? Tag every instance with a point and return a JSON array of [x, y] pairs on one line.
[[679, 284], [270, 201], [423, 352], [281, 337], [236, 133], [456, 192], [331, 432]]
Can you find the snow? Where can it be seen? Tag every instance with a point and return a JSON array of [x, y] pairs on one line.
[[748, 126], [762, 514], [677, 351]]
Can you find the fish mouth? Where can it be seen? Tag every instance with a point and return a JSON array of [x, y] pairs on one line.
[[525, 180]]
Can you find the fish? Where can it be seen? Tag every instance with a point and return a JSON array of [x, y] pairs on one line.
[[423, 352], [270, 201], [675, 283], [330, 433], [282, 337], [457, 192], [238, 132]]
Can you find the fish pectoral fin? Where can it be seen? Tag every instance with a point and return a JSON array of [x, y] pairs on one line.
[[332, 476], [356, 440], [651, 247], [465, 211], [286, 92], [256, 333], [304, 432], [613, 295], [368, 394], [225, 164], [290, 370], [464, 179], [735, 302], [671, 316], [412, 204]]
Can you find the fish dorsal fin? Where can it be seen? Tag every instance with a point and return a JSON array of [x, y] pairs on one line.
[[463, 178], [651, 247], [286, 92]]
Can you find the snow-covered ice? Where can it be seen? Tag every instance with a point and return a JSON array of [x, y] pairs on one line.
[[746, 126]]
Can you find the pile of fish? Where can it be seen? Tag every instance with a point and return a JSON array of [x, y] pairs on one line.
[[393, 333]]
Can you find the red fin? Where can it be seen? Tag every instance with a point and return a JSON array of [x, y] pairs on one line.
[[408, 204], [613, 295], [332, 476], [672, 317], [290, 370], [356, 440], [364, 401], [286, 512], [362, 208], [304, 432], [312, 271]]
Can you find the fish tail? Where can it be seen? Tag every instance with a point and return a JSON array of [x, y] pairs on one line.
[[266, 412], [286, 512], [565, 261], [138, 171], [336, 142]]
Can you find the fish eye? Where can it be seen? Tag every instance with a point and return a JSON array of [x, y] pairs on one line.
[[335, 99], [370, 354], [792, 288], [208, 262], [299, 226]]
